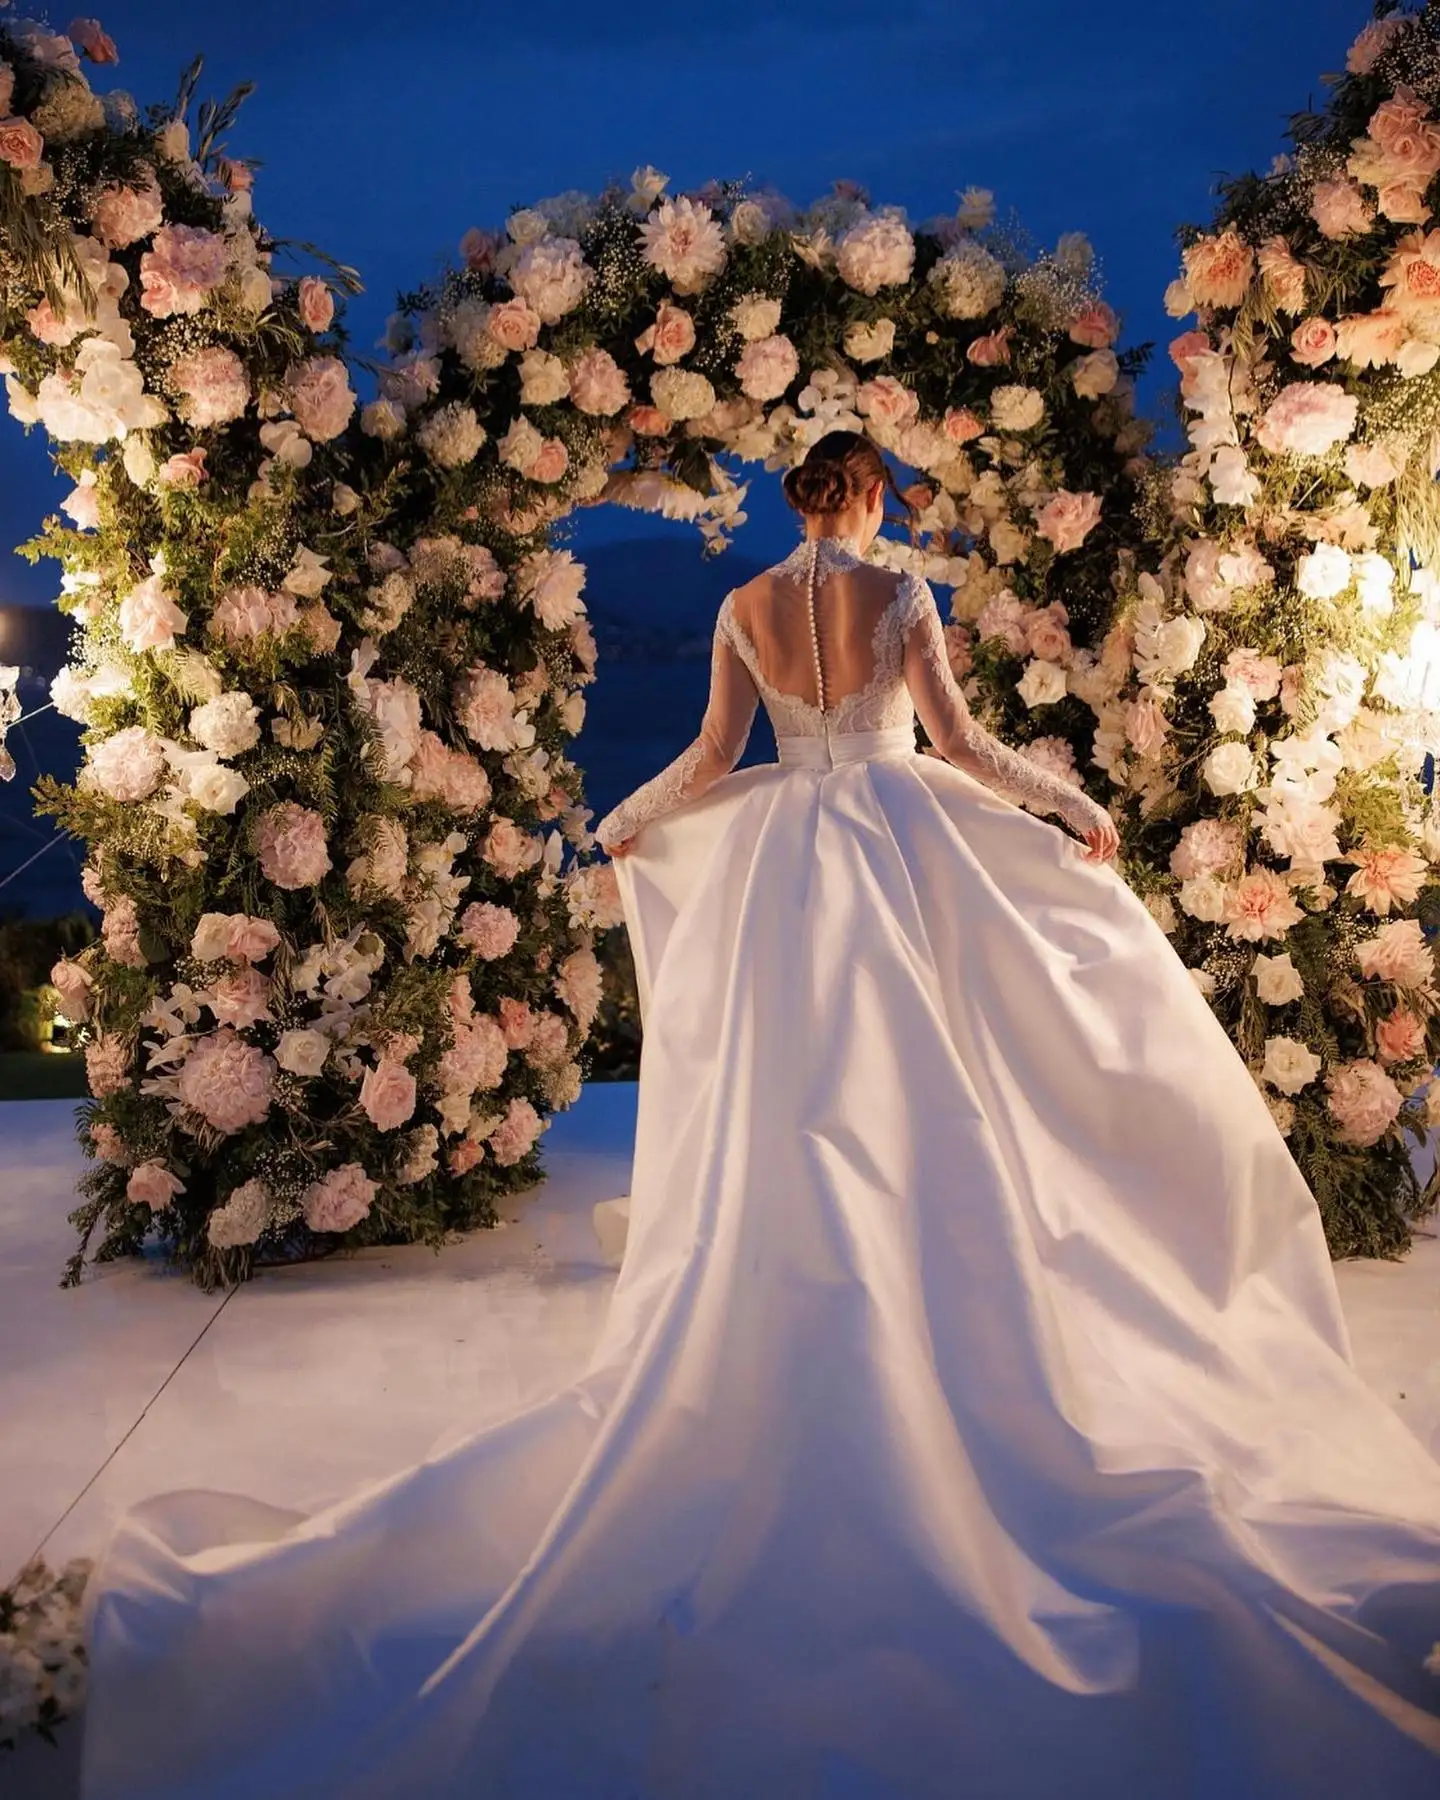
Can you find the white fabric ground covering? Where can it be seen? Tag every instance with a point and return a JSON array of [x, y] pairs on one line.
[[304, 1384]]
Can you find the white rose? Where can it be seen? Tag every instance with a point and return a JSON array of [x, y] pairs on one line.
[[1017, 408], [1095, 375], [1289, 1065], [1233, 709], [302, 1052], [212, 786], [1205, 897], [1229, 769], [1324, 573], [1277, 980], [1042, 684], [870, 342]]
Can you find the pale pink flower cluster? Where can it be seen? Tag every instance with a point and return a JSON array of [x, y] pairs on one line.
[[516, 1134], [319, 394], [387, 1094], [233, 937], [183, 267], [108, 1144], [1374, 40], [1260, 905], [1399, 953], [212, 384], [290, 844], [552, 276], [509, 850], [1308, 418], [1364, 1102], [107, 1066], [339, 1199], [1386, 878], [475, 1061], [121, 933], [1055, 756], [489, 930], [553, 581], [246, 613], [185, 469], [517, 1022], [227, 1081], [579, 983], [1067, 519], [598, 385], [1340, 210], [21, 145], [683, 240], [1207, 847], [128, 765], [439, 773], [152, 1184], [548, 1041], [1399, 157], [123, 214], [1249, 669], [1218, 269], [485, 706], [877, 251], [887, 401], [767, 367]]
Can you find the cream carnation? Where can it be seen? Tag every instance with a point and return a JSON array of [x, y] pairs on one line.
[[966, 283], [290, 844], [878, 251], [1308, 418], [242, 1218], [683, 240], [767, 367], [552, 277], [228, 725], [682, 393], [867, 341], [490, 931], [1095, 375], [1364, 1102], [1218, 269], [598, 385], [1398, 953], [452, 435], [1324, 572], [339, 1200], [227, 1081], [127, 766]]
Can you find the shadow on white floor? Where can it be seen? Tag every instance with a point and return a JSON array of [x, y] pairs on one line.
[[310, 1381]]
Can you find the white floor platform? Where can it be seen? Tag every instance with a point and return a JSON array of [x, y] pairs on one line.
[[309, 1381]]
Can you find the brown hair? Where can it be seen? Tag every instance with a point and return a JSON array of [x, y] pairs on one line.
[[837, 470]]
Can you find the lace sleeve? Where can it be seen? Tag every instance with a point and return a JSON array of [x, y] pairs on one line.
[[960, 739], [724, 731]]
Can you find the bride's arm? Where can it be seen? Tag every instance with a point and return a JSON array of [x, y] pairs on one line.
[[715, 752], [962, 740]]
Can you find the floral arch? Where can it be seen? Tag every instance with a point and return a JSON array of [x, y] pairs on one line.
[[331, 657]]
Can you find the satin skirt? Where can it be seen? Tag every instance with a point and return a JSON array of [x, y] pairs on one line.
[[973, 1414]]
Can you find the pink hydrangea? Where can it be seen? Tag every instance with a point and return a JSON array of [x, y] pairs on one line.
[[387, 1094], [489, 930], [244, 614], [1067, 519], [440, 773], [339, 1200], [1208, 847], [127, 766], [1308, 418], [476, 1060], [236, 937], [227, 1081], [290, 843], [1364, 1101], [212, 385], [120, 931], [552, 277], [183, 267], [107, 1066], [1055, 756], [1006, 617], [1259, 675], [579, 984], [517, 1133], [485, 706], [152, 1184], [767, 367], [320, 397], [598, 385], [122, 214]]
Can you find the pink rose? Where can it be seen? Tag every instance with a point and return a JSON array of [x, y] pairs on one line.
[[990, 352], [181, 270], [477, 250], [509, 850], [71, 980], [1047, 638], [241, 999], [233, 937], [1313, 342], [767, 367], [122, 215], [1249, 669], [320, 397], [463, 1155], [387, 1094], [227, 1081], [151, 1184], [548, 1044], [887, 401], [1096, 327], [1400, 1037], [1339, 209], [21, 145], [551, 463], [1146, 727], [1067, 519], [1364, 1102], [598, 385], [186, 469], [245, 614], [317, 304], [961, 426], [87, 36], [150, 619], [338, 1200], [671, 337], [514, 325], [213, 386], [647, 421], [290, 843], [1218, 269], [515, 1136], [490, 931]]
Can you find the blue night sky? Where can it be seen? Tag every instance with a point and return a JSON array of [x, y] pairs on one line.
[[384, 135]]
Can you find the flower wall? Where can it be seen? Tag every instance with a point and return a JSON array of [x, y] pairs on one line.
[[1276, 671], [345, 968]]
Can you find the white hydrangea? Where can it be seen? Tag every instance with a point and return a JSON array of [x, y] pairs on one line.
[[755, 316], [242, 1218], [228, 725], [682, 393], [452, 435], [878, 251], [967, 282], [544, 379]]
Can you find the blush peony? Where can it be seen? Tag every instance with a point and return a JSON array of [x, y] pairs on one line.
[[598, 385], [1308, 418], [319, 394], [767, 367], [878, 251], [1364, 1102], [1066, 520], [387, 1094]]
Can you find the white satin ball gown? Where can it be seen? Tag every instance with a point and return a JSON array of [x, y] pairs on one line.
[[973, 1415]]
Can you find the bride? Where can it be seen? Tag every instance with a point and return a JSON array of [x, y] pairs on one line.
[[973, 1414]]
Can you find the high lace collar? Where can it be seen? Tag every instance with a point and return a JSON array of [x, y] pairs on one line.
[[816, 558]]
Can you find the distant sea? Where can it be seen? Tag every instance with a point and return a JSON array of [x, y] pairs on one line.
[[652, 602]]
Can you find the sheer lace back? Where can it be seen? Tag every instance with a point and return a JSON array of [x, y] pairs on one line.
[[822, 635]]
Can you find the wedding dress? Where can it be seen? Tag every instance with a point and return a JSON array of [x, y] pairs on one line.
[[973, 1415]]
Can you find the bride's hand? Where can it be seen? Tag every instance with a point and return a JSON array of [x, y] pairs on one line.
[[623, 848], [1103, 841]]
